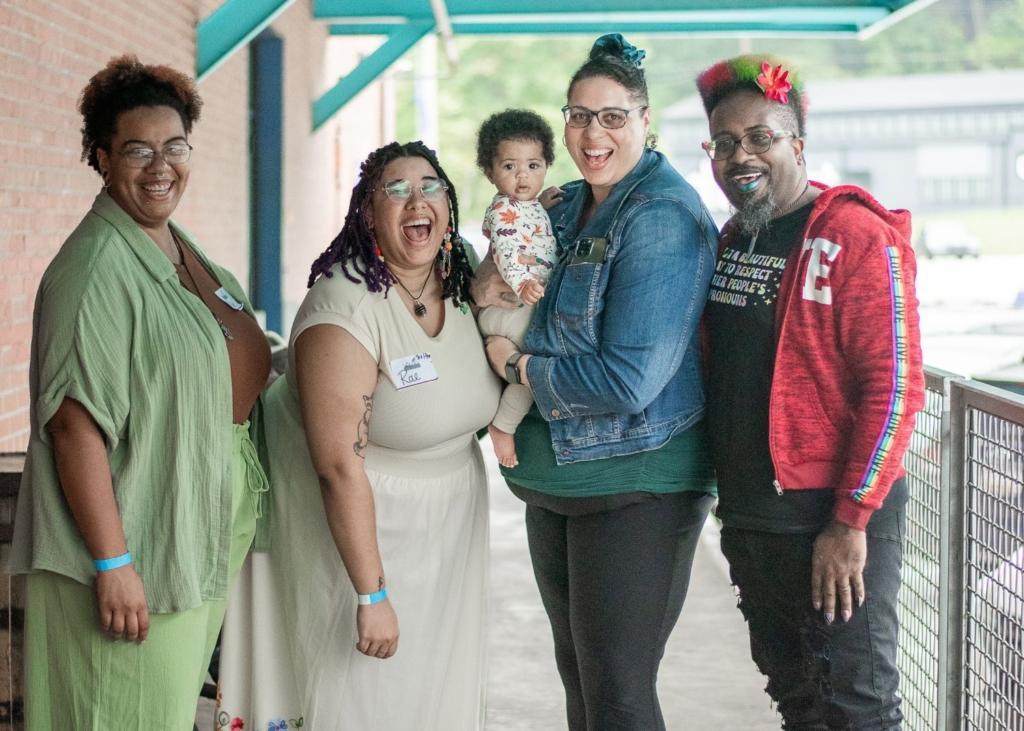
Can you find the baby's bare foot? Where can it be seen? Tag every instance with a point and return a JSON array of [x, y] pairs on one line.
[[504, 446]]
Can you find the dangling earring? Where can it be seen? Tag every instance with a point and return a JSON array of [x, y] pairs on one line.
[[446, 254], [373, 239], [376, 247], [106, 182]]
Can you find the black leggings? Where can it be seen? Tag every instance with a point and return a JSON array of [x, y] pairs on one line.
[[613, 584]]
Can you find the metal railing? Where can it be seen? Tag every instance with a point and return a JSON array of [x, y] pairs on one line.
[[962, 604]]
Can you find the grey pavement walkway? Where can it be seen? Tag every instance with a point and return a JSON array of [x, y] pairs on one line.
[[707, 680]]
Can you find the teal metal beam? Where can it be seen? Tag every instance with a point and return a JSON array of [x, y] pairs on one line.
[[339, 9], [905, 10], [365, 29], [399, 41], [514, 27], [230, 27], [783, 20]]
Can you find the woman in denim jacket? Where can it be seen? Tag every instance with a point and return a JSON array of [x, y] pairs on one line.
[[614, 465]]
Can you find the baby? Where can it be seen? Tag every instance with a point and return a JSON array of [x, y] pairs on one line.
[[514, 149]]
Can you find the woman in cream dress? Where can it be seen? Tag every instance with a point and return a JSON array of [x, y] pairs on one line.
[[378, 557]]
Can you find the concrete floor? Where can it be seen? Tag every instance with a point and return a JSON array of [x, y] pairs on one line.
[[707, 681]]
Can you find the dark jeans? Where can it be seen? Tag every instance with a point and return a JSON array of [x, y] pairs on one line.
[[613, 584], [838, 676]]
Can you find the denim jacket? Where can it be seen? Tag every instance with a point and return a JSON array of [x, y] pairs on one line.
[[616, 356]]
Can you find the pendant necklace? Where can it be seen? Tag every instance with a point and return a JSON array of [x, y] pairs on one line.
[[753, 240], [418, 307], [183, 267]]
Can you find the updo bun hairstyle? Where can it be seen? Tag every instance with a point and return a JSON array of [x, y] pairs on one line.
[[613, 57]]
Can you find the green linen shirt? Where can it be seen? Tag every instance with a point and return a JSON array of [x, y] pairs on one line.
[[114, 329]]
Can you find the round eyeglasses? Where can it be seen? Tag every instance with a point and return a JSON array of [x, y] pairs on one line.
[[143, 157], [757, 142], [609, 117], [432, 189]]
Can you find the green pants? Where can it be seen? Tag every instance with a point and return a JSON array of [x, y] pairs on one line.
[[77, 679]]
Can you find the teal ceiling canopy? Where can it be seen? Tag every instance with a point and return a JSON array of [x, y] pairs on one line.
[[404, 22], [828, 17], [230, 27]]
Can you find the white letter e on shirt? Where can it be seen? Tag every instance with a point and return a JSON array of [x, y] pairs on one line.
[[823, 253]]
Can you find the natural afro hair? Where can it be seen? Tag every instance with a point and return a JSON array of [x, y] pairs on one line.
[[125, 84], [742, 72], [354, 248], [513, 124]]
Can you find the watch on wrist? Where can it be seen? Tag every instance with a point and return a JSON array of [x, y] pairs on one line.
[[512, 368]]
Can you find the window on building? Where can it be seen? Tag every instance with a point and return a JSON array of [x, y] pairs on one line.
[[954, 174]]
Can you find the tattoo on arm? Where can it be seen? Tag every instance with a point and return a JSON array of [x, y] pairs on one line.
[[380, 583], [363, 428]]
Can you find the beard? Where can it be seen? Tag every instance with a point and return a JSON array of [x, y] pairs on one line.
[[755, 213]]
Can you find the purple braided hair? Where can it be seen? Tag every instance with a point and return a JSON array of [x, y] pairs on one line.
[[355, 245]]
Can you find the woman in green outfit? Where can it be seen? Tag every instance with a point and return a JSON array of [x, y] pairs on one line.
[[141, 486]]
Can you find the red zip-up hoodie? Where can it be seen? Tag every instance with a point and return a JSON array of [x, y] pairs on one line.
[[848, 376]]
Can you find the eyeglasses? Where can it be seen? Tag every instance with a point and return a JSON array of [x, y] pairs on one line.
[[757, 142], [609, 117], [143, 157], [432, 189]]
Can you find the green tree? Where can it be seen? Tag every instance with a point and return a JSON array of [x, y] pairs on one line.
[[1001, 43]]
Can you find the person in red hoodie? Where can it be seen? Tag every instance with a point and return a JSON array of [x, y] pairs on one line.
[[814, 378]]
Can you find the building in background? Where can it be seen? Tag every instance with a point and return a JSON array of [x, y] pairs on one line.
[[48, 51], [932, 143]]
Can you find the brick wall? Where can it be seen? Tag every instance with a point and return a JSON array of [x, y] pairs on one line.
[[46, 58]]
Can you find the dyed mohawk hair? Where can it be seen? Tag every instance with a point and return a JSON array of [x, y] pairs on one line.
[[766, 75]]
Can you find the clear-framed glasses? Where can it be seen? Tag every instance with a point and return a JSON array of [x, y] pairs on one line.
[[142, 157], [757, 142], [609, 117], [432, 189]]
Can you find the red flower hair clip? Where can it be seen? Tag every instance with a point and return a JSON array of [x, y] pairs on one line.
[[774, 82]]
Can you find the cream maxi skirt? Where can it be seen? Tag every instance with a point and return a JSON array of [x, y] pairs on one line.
[[288, 655]]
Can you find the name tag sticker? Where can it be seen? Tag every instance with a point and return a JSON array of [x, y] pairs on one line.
[[412, 370], [224, 296]]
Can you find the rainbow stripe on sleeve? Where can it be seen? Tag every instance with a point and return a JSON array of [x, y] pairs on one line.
[[900, 368]]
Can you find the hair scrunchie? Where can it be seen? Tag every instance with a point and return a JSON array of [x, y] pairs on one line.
[[613, 44]]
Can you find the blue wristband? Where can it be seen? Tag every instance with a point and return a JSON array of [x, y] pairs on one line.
[[106, 564], [374, 598]]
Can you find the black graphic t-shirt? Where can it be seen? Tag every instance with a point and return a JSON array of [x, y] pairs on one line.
[[740, 315]]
